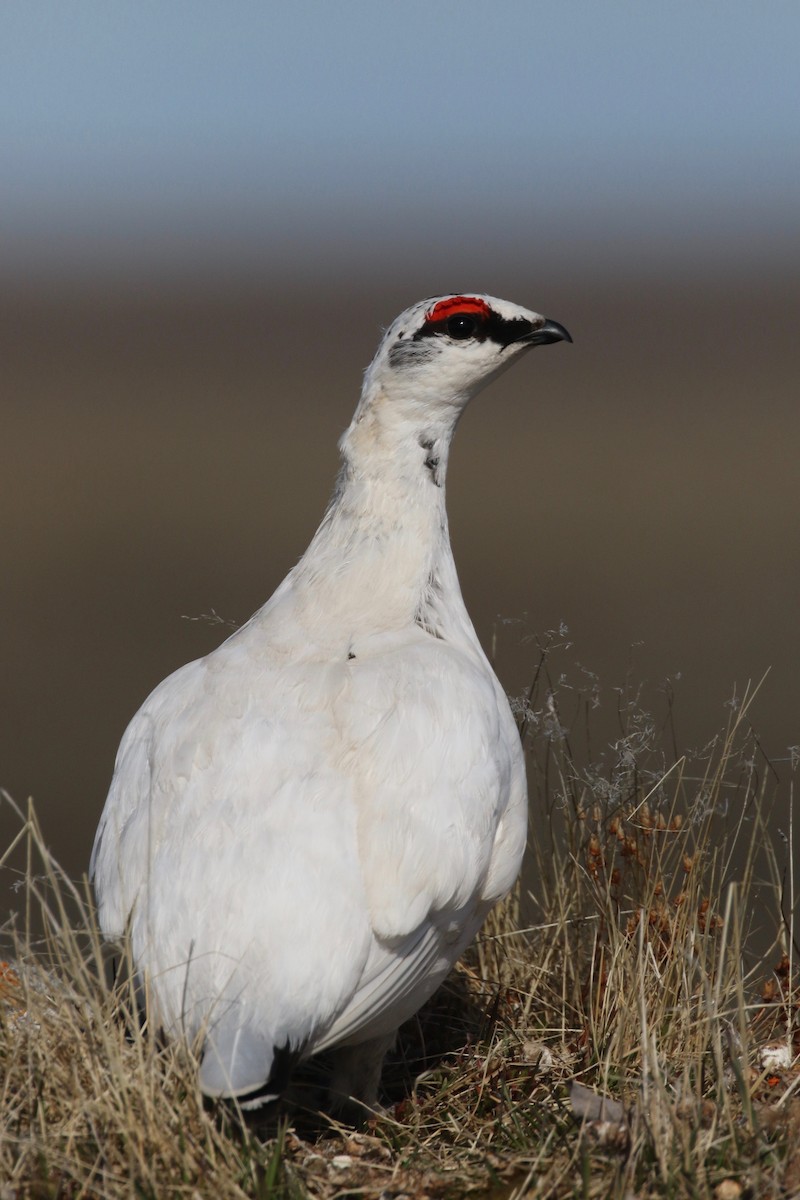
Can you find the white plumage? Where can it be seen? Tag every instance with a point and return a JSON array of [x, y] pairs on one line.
[[307, 827]]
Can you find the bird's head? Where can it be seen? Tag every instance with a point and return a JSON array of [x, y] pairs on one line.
[[443, 350], [433, 359]]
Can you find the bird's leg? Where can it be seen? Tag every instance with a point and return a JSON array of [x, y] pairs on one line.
[[356, 1076]]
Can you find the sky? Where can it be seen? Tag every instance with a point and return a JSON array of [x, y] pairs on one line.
[[156, 130]]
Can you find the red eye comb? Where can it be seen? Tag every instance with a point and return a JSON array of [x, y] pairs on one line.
[[454, 304]]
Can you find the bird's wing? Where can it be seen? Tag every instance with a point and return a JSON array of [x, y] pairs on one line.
[[440, 792], [437, 771]]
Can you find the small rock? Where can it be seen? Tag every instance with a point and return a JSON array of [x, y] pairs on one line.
[[775, 1057], [729, 1189], [589, 1105], [538, 1053]]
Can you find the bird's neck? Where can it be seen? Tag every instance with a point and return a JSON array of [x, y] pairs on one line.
[[381, 558]]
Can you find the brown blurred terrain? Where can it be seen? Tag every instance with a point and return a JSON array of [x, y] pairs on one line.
[[167, 452]]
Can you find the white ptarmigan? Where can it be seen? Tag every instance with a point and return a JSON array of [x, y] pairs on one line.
[[306, 828]]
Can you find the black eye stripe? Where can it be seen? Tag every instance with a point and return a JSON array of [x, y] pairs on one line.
[[494, 327], [446, 324]]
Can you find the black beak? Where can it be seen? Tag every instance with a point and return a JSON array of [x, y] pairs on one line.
[[544, 334]]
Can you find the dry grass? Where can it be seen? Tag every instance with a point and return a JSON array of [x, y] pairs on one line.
[[629, 1041]]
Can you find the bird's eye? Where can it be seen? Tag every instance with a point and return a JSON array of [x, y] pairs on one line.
[[461, 326]]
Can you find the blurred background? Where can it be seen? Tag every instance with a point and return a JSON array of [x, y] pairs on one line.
[[208, 212]]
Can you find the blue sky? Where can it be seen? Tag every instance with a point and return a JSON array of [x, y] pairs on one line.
[[132, 127]]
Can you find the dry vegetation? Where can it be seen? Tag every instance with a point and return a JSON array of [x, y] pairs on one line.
[[628, 1041]]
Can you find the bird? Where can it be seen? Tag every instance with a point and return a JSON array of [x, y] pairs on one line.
[[306, 828]]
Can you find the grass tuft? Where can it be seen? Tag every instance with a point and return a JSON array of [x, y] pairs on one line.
[[628, 1023]]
